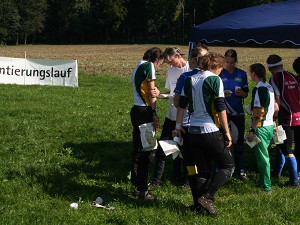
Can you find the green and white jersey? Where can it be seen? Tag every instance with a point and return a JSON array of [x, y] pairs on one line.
[[263, 98], [143, 73], [201, 90]]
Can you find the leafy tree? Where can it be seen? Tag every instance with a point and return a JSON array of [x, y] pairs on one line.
[[33, 15], [101, 21], [109, 14], [9, 21], [80, 21], [164, 22], [135, 21]]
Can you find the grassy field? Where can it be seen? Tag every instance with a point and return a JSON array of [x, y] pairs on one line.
[[61, 145]]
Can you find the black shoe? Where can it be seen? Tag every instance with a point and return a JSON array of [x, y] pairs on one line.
[[136, 193], [192, 208], [146, 195], [208, 205], [292, 185], [153, 185], [185, 186], [278, 176], [198, 209]]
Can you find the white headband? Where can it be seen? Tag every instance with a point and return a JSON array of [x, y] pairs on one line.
[[275, 64]]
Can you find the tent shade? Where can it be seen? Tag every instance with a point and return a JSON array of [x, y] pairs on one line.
[[276, 22]]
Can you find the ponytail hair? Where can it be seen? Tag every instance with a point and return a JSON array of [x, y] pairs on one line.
[[198, 52], [153, 54]]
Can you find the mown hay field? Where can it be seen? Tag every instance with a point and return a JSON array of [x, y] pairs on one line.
[[121, 59]]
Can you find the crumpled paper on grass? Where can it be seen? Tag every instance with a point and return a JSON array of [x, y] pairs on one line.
[[98, 204]]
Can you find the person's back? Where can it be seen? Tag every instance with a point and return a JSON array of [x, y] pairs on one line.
[[286, 88], [286, 85], [204, 96], [203, 113]]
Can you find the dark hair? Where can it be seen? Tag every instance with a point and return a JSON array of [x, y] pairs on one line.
[[272, 59], [212, 61], [203, 46], [259, 70], [170, 51], [197, 52], [153, 54], [231, 53], [296, 65]]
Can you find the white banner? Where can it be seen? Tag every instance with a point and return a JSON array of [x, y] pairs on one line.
[[38, 71]]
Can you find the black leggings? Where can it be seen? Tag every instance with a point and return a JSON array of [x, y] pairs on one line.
[[210, 146], [168, 127], [140, 159], [292, 134], [237, 127]]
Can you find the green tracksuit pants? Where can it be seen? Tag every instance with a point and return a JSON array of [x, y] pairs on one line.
[[265, 134]]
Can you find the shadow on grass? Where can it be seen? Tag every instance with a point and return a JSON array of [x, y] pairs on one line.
[[97, 170], [109, 161], [91, 170], [94, 170]]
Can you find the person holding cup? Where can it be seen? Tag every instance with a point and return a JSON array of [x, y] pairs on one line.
[[236, 89]]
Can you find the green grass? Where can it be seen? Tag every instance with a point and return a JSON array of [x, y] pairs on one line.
[[61, 145]]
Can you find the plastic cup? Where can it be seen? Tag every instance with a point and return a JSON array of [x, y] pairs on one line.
[[74, 205], [99, 200]]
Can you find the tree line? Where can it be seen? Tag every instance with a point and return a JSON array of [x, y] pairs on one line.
[[108, 21]]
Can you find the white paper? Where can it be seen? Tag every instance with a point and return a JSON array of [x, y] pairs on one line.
[[170, 147], [165, 96], [227, 93], [279, 135], [175, 154], [254, 142], [148, 136], [248, 109], [236, 88]]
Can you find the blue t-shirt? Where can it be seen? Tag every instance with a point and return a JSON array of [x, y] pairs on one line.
[[231, 80], [181, 80]]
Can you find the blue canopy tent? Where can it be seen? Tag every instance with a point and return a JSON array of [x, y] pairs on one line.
[[276, 22]]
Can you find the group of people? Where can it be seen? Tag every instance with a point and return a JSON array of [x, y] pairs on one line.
[[206, 112]]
